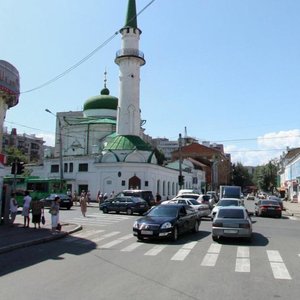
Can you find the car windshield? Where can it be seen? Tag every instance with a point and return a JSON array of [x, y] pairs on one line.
[[206, 197], [269, 202], [228, 203], [231, 213], [189, 196], [163, 211]]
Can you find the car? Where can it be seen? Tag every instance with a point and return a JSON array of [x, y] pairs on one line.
[[268, 208], [144, 194], [187, 191], [166, 221], [127, 204], [250, 197], [65, 200], [278, 200], [202, 209], [225, 202], [233, 222], [207, 199]]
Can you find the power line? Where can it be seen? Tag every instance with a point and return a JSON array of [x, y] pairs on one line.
[[85, 58]]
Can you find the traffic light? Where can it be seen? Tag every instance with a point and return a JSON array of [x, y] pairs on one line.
[[20, 168], [181, 180], [13, 168]]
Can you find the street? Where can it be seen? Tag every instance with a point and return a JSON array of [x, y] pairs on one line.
[[105, 261]]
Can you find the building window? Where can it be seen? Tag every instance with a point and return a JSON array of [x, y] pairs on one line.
[[54, 168], [83, 168], [146, 183], [123, 183], [65, 167], [71, 167]]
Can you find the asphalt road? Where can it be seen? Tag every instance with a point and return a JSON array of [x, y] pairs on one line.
[[104, 261]]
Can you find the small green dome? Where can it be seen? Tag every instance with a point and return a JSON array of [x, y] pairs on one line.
[[102, 101]]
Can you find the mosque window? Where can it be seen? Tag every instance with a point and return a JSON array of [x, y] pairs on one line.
[[83, 168], [123, 182], [146, 183], [54, 168], [71, 167]]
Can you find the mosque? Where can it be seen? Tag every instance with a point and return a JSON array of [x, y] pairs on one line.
[[104, 148]]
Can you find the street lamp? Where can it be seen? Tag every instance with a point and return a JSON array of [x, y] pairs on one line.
[[61, 174]]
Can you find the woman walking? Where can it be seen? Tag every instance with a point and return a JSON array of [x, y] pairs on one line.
[[54, 211], [83, 203], [37, 208], [26, 209]]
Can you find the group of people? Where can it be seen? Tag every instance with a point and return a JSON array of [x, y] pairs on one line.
[[36, 208]]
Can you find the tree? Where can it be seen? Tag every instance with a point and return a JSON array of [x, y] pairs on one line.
[[14, 154], [241, 176]]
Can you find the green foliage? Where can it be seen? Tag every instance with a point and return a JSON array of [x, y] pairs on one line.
[[241, 176], [13, 154], [159, 156], [265, 177]]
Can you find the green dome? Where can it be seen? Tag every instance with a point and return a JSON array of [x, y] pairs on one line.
[[102, 101]]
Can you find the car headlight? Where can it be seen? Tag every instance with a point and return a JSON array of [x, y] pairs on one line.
[[136, 225], [166, 225]]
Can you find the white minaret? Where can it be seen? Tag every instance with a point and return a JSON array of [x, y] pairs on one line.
[[129, 59]]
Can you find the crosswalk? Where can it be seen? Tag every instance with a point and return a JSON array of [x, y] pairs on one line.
[[96, 219], [128, 243]]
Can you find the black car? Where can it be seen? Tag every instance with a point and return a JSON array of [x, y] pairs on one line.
[[144, 194], [65, 200], [167, 221], [126, 204]]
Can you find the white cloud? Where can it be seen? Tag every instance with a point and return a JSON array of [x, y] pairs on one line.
[[48, 138], [269, 146]]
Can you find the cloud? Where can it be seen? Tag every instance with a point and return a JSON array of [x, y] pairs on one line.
[[267, 147], [48, 138]]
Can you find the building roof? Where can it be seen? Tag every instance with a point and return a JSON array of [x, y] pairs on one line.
[[131, 20], [128, 142]]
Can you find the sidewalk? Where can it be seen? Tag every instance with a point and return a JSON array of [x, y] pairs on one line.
[[15, 236], [292, 209]]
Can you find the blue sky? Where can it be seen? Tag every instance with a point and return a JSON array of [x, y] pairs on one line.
[[227, 71]]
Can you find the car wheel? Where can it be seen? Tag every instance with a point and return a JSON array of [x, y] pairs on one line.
[[214, 238], [140, 238], [129, 211], [105, 210], [175, 234], [196, 227], [68, 207]]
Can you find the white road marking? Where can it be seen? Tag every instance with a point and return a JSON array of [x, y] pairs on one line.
[[131, 247], [117, 241], [155, 250], [210, 259], [277, 265], [242, 263], [184, 251]]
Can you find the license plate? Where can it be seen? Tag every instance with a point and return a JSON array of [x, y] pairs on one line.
[[230, 231], [271, 208], [142, 205], [147, 232]]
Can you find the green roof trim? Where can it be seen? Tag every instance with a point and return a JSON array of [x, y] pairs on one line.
[[97, 121], [131, 20], [128, 142]]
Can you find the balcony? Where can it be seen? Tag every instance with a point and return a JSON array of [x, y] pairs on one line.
[[130, 53]]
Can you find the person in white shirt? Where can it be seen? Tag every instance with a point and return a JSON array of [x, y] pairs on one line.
[[26, 209], [13, 208]]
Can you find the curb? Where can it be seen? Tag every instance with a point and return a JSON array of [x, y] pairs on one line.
[[40, 240]]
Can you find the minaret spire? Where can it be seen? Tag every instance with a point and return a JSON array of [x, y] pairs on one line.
[[131, 20]]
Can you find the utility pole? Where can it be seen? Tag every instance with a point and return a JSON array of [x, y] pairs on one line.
[[180, 177]]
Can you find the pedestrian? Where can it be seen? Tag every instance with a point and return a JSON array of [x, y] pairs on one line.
[[157, 198], [26, 208], [88, 195], [37, 209], [105, 196], [54, 211], [112, 194], [98, 196], [75, 198], [83, 203], [13, 208]]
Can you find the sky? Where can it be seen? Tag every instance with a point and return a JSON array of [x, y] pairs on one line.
[[224, 71]]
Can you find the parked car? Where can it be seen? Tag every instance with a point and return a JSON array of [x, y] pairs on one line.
[[65, 200], [225, 202], [278, 200], [268, 208], [233, 222], [202, 209], [166, 221], [144, 194], [128, 204]]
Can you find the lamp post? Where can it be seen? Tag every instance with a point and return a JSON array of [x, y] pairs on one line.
[[61, 174]]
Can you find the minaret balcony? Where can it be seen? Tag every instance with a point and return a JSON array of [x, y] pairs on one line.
[[130, 53]]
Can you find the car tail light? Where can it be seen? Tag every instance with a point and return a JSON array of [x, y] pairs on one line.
[[278, 208], [217, 224], [264, 207], [244, 225]]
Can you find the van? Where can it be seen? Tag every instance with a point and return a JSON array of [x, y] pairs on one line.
[[144, 194]]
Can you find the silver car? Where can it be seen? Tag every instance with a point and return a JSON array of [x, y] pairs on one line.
[[232, 221]]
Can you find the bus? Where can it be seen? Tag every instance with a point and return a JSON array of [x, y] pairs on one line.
[[38, 188]]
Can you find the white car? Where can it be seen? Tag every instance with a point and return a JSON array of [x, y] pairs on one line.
[[202, 209], [225, 202]]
